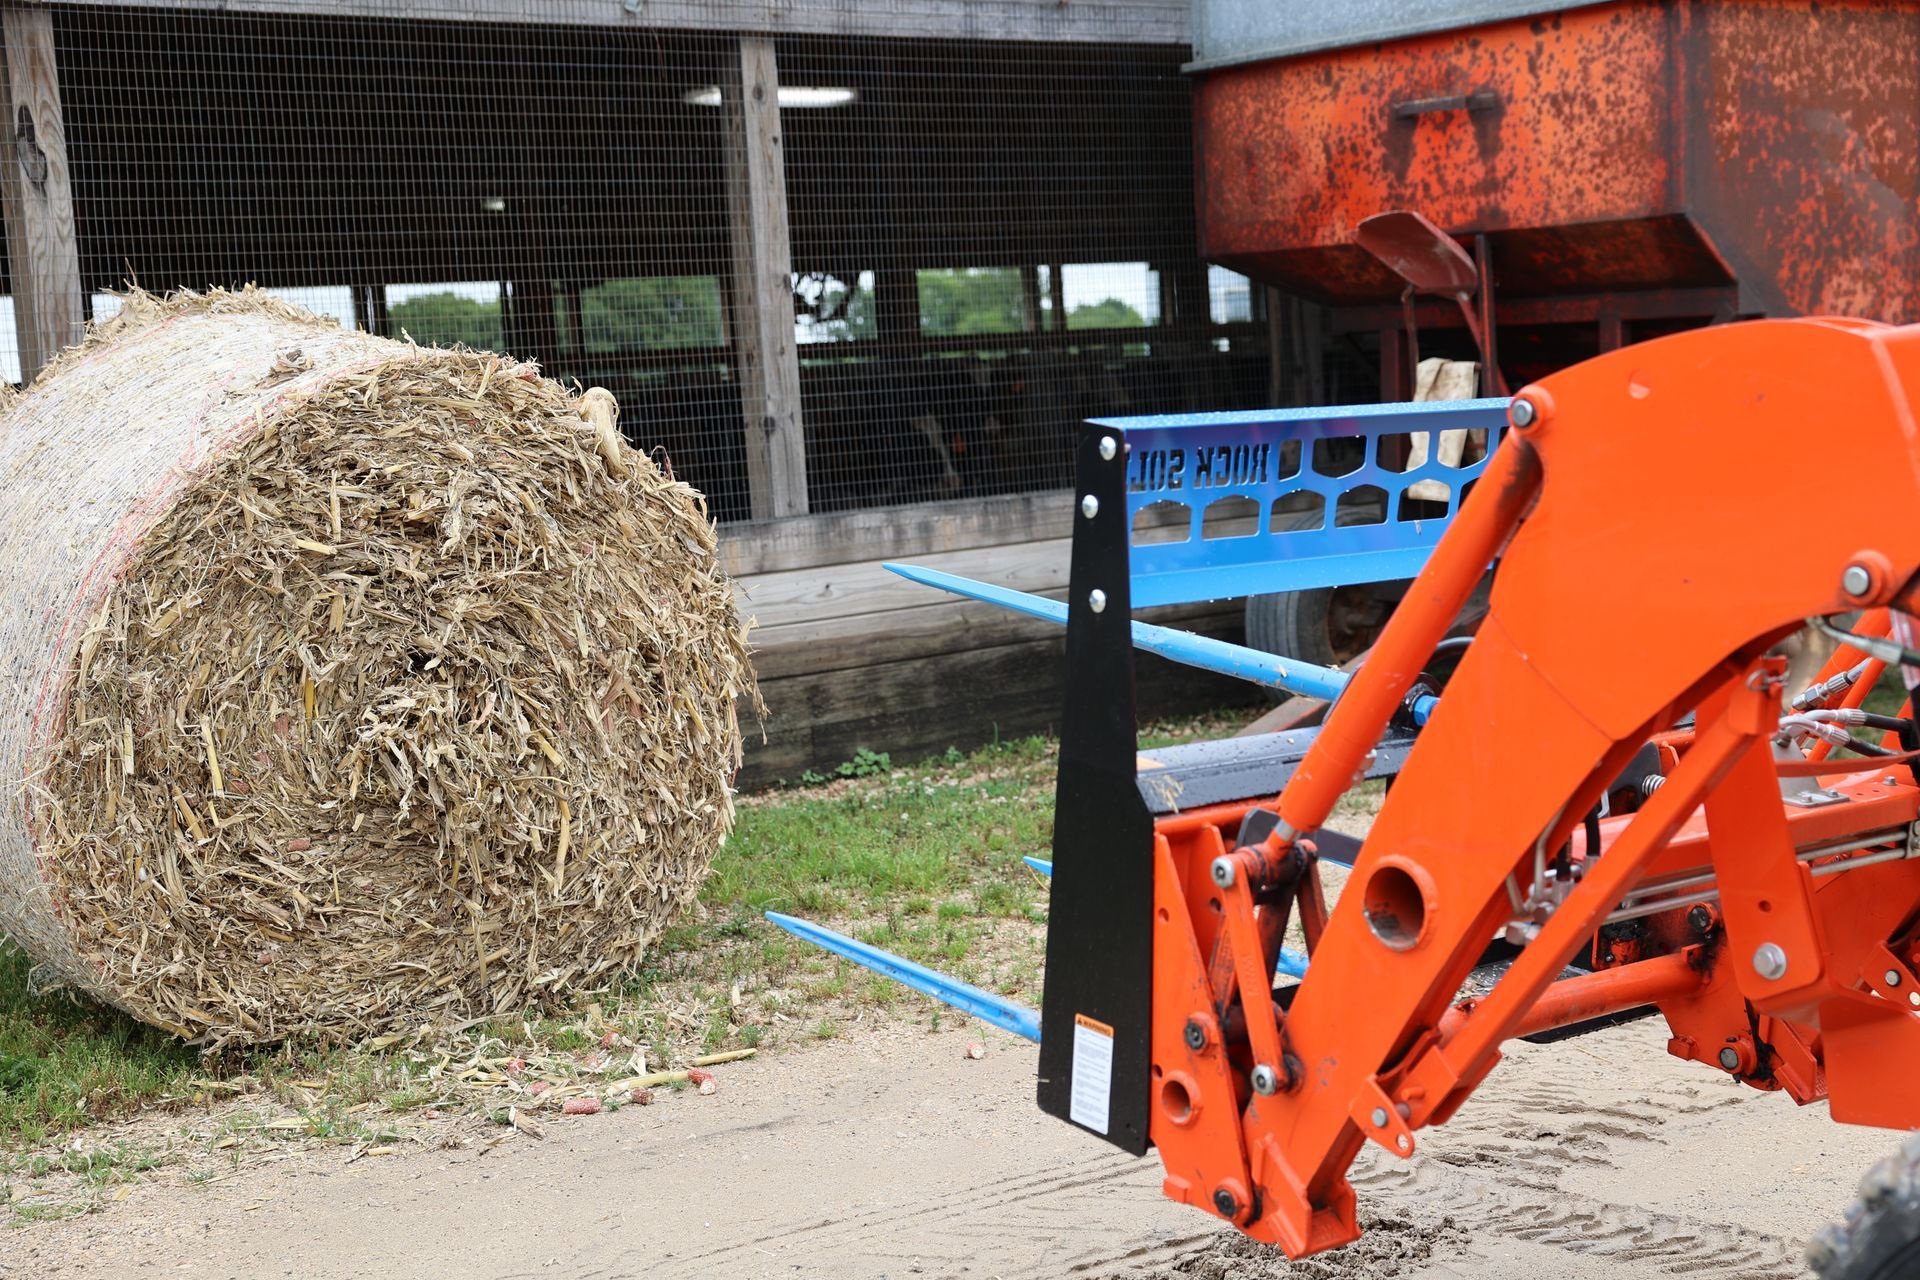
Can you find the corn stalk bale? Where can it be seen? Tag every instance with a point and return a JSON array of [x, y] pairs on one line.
[[345, 685]]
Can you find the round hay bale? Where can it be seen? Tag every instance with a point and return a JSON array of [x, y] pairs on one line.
[[344, 684]]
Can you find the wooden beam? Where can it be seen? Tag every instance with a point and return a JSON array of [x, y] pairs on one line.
[[36, 197], [849, 643], [894, 533], [913, 707], [762, 282], [866, 588], [1097, 21]]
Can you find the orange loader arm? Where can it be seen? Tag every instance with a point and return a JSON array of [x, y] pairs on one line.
[[1655, 544]]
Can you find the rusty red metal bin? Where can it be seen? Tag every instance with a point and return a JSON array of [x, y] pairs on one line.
[[1654, 163]]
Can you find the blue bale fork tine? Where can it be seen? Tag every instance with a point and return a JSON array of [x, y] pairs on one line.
[[1204, 652], [1194, 462], [984, 1005]]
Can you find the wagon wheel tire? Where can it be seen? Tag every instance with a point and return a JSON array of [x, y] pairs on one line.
[[1326, 626], [1879, 1239], [1293, 624]]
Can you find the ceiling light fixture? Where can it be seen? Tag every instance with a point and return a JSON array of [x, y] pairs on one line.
[[800, 96]]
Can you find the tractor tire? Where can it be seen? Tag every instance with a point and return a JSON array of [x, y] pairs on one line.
[[1293, 625], [1327, 626], [1880, 1237]]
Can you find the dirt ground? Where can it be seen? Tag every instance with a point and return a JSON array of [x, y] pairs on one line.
[[888, 1153]]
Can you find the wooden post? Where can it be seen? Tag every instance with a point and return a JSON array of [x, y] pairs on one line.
[[1280, 373], [43, 256], [1297, 334], [896, 308], [528, 329], [1192, 296], [370, 309], [576, 345], [1030, 298], [762, 284]]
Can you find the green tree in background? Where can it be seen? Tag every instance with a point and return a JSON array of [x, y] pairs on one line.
[[443, 319], [661, 312], [831, 310], [1109, 313], [956, 303], [621, 315], [651, 313]]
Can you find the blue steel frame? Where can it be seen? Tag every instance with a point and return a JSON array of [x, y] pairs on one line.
[[1197, 460]]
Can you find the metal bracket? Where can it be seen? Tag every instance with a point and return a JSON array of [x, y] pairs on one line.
[[1382, 1119], [1891, 978], [1815, 798]]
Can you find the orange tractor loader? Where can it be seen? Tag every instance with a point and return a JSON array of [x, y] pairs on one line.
[[1664, 797]]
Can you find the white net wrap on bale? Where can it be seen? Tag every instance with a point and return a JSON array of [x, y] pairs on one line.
[[345, 685]]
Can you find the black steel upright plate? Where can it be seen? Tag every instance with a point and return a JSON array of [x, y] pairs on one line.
[[1100, 922]]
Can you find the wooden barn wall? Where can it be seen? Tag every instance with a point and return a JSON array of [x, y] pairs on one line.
[[851, 656]]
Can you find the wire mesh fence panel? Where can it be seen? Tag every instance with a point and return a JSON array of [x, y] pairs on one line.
[[910, 244]]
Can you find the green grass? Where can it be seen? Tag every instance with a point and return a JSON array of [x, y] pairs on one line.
[[65, 1063], [939, 835], [1889, 694], [923, 860]]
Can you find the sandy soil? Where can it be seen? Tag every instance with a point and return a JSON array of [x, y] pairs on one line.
[[890, 1154]]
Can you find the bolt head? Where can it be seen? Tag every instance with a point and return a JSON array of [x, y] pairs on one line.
[[1913, 998], [1097, 600], [1223, 872], [1700, 919], [1225, 1204], [1265, 1081], [1521, 412], [1089, 506], [1196, 1035], [1770, 961], [1108, 447], [1379, 1117], [1857, 580], [1893, 977], [1730, 1058]]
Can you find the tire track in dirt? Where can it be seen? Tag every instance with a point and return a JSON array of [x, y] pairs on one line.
[[1499, 1165], [1048, 1204], [1508, 1151]]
